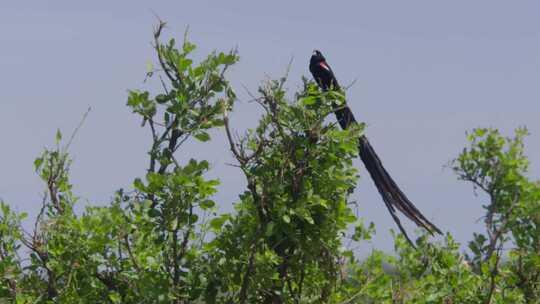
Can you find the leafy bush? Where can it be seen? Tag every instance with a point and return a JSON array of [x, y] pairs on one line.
[[165, 242]]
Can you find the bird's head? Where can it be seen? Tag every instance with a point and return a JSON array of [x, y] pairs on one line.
[[317, 56]]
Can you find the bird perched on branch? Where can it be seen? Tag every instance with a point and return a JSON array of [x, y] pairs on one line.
[[392, 196]]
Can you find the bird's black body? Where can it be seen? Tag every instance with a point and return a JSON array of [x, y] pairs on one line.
[[321, 71], [392, 196], [325, 78]]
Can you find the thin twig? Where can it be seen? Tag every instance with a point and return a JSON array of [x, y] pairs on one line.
[[130, 253], [158, 48], [77, 129], [232, 143]]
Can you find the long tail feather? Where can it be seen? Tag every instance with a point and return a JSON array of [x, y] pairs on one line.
[[390, 192], [392, 196]]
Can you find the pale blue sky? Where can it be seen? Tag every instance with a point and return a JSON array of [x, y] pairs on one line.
[[426, 72]]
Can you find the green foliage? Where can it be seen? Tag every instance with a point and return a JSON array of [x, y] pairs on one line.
[[433, 273], [497, 165], [286, 235], [10, 264], [286, 242], [438, 272]]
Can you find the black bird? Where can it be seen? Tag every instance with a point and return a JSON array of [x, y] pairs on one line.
[[392, 196]]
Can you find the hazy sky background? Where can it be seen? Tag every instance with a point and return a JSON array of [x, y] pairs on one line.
[[426, 72]]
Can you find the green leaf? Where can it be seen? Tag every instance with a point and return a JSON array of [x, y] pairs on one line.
[[202, 136], [133, 99], [58, 136], [269, 229], [173, 225], [184, 63], [138, 184], [217, 223], [286, 218], [162, 98], [115, 297], [188, 47], [37, 163], [207, 204], [309, 100], [149, 67]]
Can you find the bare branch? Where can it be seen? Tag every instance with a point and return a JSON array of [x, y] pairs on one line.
[[77, 129], [158, 48], [232, 143], [130, 253]]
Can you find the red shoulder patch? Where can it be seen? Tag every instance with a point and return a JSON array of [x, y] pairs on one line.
[[324, 65]]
